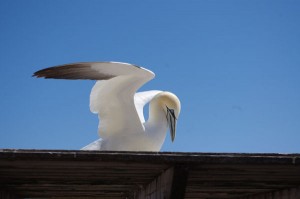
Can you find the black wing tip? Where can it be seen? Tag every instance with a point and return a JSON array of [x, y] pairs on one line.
[[40, 76], [43, 73], [37, 74]]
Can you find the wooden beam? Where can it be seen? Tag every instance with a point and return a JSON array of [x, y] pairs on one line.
[[180, 176], [290, 193], [170, 184], [159, 188], [5, 194], [151, 175]]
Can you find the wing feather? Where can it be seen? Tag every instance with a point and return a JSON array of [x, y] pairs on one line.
[[93, 71], [141, 99]]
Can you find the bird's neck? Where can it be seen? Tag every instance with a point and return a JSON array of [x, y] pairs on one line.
[[157, 121], [156, 113]]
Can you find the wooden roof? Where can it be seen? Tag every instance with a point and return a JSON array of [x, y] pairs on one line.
[[114, 175]]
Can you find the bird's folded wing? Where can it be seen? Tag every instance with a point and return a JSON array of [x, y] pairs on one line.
[[96, 145], [141, 99]]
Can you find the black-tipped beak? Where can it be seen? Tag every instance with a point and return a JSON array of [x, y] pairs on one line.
[[171, 118]]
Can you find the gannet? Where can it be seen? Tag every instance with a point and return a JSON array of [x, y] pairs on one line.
[[114, 97]]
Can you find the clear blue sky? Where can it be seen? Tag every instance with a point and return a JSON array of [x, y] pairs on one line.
[[234, 64]]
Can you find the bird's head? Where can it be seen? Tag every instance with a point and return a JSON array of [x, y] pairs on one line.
[[171, 106]]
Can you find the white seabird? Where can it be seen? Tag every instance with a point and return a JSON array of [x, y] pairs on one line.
[[122, 124]]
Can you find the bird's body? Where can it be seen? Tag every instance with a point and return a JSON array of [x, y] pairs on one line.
[[122, 125]]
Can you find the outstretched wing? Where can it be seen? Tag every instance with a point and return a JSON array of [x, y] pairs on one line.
[[112, 99], [93, 71]]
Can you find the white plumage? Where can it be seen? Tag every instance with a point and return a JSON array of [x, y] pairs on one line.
[[122, 126]]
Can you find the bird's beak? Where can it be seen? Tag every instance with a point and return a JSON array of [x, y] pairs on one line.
[[171, 118]]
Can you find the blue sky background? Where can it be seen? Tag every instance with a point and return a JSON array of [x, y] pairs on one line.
[[234, 64]]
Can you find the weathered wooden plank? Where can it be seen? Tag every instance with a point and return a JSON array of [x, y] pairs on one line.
[[78, 174], [7, 194], [289, 193], [159, 188], [153, 157], [180, 176]]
